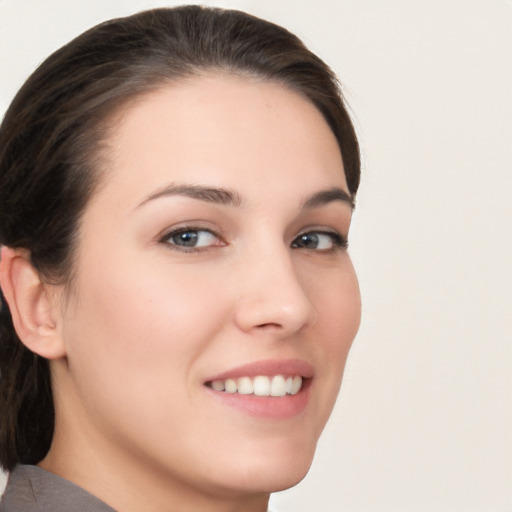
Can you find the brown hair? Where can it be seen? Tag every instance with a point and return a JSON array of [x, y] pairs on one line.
[[49, 147]]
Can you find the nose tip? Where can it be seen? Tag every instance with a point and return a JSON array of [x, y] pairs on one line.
[[278, 303]]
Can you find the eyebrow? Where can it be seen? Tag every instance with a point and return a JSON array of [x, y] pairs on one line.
[[209, 194], [229, 197], [328, 196]]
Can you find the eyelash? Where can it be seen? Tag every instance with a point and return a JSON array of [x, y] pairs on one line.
[[338, 241]]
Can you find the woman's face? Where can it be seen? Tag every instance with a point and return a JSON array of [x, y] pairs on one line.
[[211, 257]]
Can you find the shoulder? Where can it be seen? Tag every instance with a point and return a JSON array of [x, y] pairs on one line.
[[19, 494], [32, 489]]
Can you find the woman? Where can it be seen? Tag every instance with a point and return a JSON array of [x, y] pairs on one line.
[[176, 190]]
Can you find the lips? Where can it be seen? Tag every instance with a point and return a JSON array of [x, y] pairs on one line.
[[271, 367], [272, 388]]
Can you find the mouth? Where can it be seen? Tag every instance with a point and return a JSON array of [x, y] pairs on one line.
[[274, 389], [261, 385]]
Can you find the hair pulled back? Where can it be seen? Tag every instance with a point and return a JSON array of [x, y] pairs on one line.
[[50, 147]]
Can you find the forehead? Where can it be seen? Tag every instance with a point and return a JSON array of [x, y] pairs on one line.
[[224, 130]]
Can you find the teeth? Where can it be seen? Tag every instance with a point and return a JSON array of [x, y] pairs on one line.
[[218, 385], [278, 386], [230, 386], [297, 384], [245, 386], [260, 385]]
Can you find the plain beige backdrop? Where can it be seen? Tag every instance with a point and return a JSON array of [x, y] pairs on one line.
[[424, 419]]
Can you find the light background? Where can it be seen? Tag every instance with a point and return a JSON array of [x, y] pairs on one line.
[[424, 419]]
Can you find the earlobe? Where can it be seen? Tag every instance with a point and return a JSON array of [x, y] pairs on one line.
[[33, 311]]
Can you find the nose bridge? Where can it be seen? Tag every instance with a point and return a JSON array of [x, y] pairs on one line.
[[273, 295]]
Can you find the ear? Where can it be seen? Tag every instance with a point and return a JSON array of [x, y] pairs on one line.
[[33, 307]]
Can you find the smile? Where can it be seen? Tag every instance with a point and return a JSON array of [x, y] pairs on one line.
[[261, 385]]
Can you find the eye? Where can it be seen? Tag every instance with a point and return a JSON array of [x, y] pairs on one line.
[[191, 238], [319, 241]]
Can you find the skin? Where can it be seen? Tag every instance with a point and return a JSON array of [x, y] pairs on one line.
[[147, 322]]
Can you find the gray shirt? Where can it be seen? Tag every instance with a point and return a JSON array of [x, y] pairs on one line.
[[32, 489]]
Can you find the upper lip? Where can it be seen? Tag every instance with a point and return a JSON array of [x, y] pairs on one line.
[[268, 367]]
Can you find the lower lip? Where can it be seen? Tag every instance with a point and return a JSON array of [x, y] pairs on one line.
[[271, 407]]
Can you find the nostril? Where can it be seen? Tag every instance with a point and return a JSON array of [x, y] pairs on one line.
[[269, 326]]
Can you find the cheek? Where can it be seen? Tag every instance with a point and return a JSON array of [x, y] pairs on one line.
[[344, 309], [337, 301], [136, 327], [338, 304]]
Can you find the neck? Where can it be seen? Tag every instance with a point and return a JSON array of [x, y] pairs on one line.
[[115, 482]]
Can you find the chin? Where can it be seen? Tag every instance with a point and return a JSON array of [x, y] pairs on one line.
[[285, 480], [271, 470]]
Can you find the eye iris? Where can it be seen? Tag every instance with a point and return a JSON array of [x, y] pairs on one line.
[[309, 240], [187, 238]]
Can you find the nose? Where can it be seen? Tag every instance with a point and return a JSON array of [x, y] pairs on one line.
[[272, 297]]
